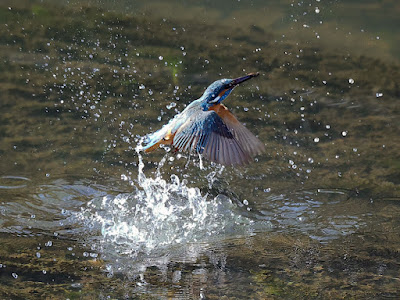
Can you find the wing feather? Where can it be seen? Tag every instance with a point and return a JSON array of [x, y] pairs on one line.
[[249, 142], [220, 138]]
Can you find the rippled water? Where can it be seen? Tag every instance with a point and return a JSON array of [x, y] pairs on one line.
[[83, 215]]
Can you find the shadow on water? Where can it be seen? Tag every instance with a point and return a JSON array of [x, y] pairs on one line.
[[83, 215]]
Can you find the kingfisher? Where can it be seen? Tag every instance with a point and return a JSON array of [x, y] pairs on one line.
[[208, 127]]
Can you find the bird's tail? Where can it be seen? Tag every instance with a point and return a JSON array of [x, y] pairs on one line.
[[153, 140]]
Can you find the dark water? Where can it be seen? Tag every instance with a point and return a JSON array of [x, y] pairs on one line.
[[83, 216]]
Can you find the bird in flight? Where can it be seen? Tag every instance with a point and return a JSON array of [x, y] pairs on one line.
[[208, 127]]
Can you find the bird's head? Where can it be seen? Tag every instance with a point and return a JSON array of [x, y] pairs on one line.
[[221, 89]]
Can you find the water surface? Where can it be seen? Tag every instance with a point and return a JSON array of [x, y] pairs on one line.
[[83, 215]]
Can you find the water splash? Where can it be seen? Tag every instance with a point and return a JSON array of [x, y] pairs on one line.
[[161, 217]]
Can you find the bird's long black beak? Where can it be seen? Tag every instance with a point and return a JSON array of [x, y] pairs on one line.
[[243, 79]]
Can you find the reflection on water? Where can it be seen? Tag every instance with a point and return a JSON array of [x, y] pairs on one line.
[[82, 215]]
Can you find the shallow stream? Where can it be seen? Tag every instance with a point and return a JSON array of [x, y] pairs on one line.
[[83, 215]]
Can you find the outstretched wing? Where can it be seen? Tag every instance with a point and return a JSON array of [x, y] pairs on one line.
[[249, 142], [223, 141]]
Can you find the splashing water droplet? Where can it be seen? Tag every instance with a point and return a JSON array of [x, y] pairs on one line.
[[171, 105], [160, 214]]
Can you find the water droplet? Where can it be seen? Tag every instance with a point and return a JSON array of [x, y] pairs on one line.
[[171, 105]]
